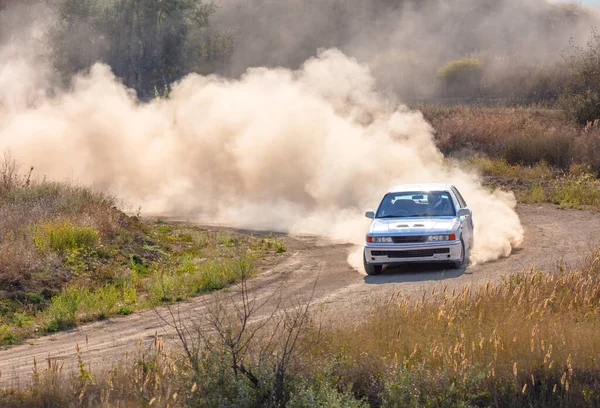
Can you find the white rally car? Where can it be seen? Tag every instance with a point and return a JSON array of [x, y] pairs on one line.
[[419, 223]]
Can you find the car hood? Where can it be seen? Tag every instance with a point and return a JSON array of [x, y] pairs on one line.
[[413, 226]]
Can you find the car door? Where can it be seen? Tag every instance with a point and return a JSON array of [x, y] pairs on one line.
[[467, 220]]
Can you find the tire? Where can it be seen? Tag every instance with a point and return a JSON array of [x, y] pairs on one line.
[[371, 269], [468, 254], [459, 264]]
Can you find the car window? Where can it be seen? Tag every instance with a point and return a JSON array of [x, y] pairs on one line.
[[416, 204], [459, 197]]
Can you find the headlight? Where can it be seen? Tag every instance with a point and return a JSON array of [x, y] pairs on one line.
[[434, 238], [382, 240]]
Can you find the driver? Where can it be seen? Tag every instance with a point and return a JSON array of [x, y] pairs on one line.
[[436, 202]]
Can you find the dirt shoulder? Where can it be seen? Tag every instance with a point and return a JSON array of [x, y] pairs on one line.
[[313, 268]]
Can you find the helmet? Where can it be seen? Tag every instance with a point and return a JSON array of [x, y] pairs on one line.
[[435, 198]]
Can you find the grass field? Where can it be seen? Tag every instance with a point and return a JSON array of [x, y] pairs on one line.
[[68, 255]]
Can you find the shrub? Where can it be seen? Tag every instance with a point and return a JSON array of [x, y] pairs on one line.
[[101, 303], [62, 313], [61, 236], [554, 149], [586, 147], [216, 275], [535, 195], [163, 286], [320, 392], [492, 167], [462, 77], [576, 191]]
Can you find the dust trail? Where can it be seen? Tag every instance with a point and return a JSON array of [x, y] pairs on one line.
[[302, 151]]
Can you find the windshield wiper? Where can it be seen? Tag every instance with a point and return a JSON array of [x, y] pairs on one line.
[[392, 216]]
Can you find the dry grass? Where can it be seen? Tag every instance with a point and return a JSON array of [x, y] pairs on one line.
[[535, 332], [519, 135], [535, 152], [529, 340], [30, 212]]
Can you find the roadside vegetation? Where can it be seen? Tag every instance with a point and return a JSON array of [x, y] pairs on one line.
[[68, 255], [528, 340], [536, 152]]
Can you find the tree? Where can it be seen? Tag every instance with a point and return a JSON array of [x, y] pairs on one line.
[[581, 94], [149, 44]]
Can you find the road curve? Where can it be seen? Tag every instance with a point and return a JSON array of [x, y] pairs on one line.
[[313, 268]]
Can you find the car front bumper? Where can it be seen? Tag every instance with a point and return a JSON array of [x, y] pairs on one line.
[[380, 254]]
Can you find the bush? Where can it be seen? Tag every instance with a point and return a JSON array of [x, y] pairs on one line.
[[61, 236], [62, 313], [586, 147], [554, 149], [462, 77], [320, 392], [177, 282], [418, 386], [102, 302], [534, 195], [576, 191]]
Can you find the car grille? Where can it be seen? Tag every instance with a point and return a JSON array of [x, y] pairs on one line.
[[409, 239], [416, 253]]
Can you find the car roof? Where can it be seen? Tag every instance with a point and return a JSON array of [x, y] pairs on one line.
[[405, 188]]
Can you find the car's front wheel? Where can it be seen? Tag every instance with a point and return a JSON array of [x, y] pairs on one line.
[[370, 268]]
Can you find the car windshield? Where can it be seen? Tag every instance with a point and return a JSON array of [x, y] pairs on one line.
[[416, 204]]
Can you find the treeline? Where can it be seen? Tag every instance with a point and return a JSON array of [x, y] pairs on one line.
[[149, 44]]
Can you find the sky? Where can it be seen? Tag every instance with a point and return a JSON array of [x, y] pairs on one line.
[[586, 2]]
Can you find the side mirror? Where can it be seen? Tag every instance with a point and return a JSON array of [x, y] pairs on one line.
[[464, 212], [370, 214]]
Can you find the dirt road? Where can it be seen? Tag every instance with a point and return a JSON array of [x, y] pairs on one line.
[[551, 236]]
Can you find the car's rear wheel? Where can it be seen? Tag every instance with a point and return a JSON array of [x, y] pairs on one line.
[[458, 264], [371, 269]]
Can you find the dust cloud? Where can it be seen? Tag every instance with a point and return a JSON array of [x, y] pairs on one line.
[[305, 150], [406, 41]]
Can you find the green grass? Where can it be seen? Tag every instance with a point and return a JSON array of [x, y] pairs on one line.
[[61, 236], [566, 191], [182, 262], [68, 256]]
